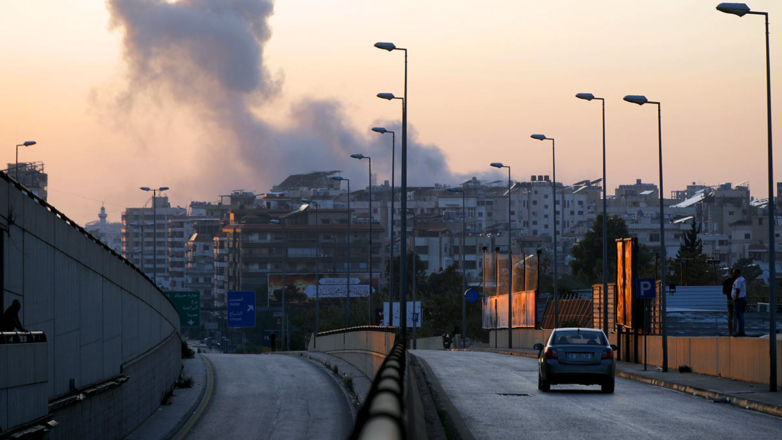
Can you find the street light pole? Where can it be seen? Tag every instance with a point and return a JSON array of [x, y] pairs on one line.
[[589, 97], [461, 248], [415, 273], [641, 100], [284, 317], [542, 137], [382, 130], [347, 278], [317, 272], [510, 261], [403, 244], [23, 144], [741, 9], [369, 159], [154, 228]]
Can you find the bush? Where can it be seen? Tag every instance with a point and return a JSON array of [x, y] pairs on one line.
[[187, 352]]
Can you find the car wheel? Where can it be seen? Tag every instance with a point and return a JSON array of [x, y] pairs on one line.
[[543, 385], [608, 387]]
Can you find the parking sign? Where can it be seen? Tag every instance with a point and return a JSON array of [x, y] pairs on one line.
[[646, 288]]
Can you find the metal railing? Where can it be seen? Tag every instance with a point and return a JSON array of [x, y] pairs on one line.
[[374, 328], [22, 337], [382, 414]]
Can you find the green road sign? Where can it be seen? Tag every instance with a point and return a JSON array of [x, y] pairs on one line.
[[188, 305]]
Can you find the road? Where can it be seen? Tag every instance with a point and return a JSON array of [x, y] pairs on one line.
[[272, 397], [473, 381]]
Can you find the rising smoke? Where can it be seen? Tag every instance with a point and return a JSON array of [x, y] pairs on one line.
[[208, 55]]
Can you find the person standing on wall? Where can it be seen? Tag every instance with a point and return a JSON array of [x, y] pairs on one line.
[[9, 321], [739, 301], [727, 290], [273, 341]]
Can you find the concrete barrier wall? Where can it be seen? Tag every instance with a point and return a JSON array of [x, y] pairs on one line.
[[97, 310], [364, 349], [23, 387]]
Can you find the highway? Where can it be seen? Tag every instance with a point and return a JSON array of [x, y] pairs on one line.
[[272, 397], [474, 382]]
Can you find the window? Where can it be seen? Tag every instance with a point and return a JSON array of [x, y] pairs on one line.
[[545, 196], [545, 206], [480, 214], [534, 232], [534, 202], [534, 223], [654, 237], [580, 202], [746, 236], [580, 212], [545, 226]]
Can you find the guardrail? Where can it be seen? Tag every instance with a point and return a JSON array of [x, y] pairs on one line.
[[22, 337], [382, 414], [374, 328]]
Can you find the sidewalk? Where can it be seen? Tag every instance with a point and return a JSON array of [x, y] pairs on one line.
[[744, 394], [361, 384], [169, 419]]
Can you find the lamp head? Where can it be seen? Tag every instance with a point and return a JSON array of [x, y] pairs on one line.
[[636, 99], [379, 130], [145, 188], [496, 164], [357, 156], [338, 178], [454, 189], [306, 200], [733, 8], [28, 143], [540, 137], [163, 188], [133, 224], [587, 96], [388, 96], [274, 221], [385, 46]]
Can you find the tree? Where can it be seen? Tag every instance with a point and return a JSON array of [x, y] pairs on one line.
[[588, 253], [692, 268], [692, 246]]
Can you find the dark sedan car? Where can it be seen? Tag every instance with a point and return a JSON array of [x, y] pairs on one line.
[[576, 356]]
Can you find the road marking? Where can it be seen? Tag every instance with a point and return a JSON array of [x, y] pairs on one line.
[[210, 383]]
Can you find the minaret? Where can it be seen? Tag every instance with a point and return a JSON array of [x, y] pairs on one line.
[[102, 216]]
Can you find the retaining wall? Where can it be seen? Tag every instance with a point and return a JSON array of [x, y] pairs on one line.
[[99, 312], [364, 349]]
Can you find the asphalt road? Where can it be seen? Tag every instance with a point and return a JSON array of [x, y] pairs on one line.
[[473, 382], [273, 397]]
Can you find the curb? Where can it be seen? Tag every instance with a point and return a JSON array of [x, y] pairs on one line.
[[186, 424], [442, 401], [733, 400], [358, 400]]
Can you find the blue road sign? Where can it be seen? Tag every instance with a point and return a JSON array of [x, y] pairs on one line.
[[471, 295], [241, 309], [646, 288], [415, 317]]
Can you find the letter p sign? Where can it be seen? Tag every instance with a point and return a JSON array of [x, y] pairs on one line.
[[646, 288]]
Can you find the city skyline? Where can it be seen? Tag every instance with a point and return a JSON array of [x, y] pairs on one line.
[[515, 73]]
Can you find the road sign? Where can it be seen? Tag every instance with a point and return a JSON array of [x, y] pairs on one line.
[[415, 317], [188, 305], [279, 321], [471, 295], [241, 309], [646, 288], [277, 314]]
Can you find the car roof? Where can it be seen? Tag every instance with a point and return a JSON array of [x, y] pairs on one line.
[[578, 329]]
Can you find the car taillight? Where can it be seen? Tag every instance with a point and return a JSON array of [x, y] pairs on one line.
[[551, 353], [608, 354]]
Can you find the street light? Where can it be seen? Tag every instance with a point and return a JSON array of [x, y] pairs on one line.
[[589, 97], [641, 100], [382, 130], [369, 159], [742, 9], [415, 275], [403, 245], [284, 317], [317, 271], [154, 228], [23, 144], [347, 278], [510, 262], [461, 248], [542, 137]]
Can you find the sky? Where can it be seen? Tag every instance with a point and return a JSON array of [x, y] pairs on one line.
[[208, 96]]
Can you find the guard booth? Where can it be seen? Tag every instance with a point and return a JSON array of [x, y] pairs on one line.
[[634, 315]]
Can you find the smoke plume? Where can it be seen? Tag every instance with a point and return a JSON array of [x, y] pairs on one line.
[[207, 56]]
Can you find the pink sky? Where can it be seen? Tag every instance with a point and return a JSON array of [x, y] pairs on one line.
[[483, 77]]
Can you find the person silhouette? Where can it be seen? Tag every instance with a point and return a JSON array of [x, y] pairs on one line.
[[9, 321]]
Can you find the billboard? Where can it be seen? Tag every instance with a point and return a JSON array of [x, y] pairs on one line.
[[305, 287], [495, 311], [414, 315], [625, 281]]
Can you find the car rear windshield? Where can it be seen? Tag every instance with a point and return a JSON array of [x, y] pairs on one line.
[[578, 338]]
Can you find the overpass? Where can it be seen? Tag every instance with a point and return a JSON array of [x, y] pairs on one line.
[[106, 343]]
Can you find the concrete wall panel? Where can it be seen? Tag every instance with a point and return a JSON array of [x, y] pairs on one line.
[[14, 261], [67, 360], [112, 356], [29, 402], [91, 306], [91, 362], [130, 329], [704, 354], [67, 300]]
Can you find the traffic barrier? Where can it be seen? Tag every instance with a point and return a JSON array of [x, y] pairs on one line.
[[383, 413]]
